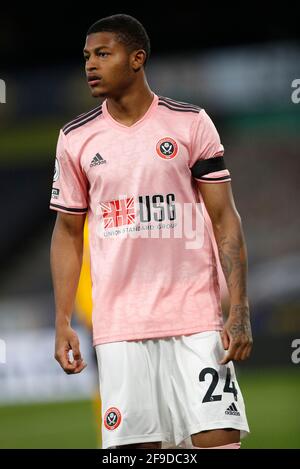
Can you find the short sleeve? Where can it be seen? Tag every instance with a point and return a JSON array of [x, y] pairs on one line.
[[70, 185], [207, 162]]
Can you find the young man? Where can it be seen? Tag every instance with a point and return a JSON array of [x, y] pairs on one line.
[[142, 166]]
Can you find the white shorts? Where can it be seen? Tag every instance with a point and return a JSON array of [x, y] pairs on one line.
[[166, 390]]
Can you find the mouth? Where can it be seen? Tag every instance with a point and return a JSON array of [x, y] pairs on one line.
[[93, 80]]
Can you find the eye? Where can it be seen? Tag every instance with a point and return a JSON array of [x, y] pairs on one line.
[[103, 54], [85, 58]]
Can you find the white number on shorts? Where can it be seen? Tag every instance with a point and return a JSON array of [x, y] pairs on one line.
[[209, 397]]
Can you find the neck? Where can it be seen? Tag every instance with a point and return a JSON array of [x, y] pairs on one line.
[[130, 107]]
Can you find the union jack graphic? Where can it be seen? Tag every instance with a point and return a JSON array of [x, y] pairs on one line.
[[118, 212]]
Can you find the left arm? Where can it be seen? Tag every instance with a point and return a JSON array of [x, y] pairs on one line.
[[227, 226]]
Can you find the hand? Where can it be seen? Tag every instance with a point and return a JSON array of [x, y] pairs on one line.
[[236, 334], [66, 339]]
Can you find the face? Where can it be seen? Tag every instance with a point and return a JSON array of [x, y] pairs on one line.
[[109, 66]]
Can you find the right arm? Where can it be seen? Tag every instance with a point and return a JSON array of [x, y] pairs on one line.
[[66, 253]]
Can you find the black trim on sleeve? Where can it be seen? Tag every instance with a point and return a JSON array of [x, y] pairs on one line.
[[176, 108], [223, 178], [202, 167], [78, 210], [82, 122]]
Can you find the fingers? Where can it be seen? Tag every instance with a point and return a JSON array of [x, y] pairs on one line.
[[78, 362], [227, 357], [66, 343], [237, 351], [226, 345], [225, 339], [78, 367], [247, 352], [74, 342], [70, 366], [63, 359]]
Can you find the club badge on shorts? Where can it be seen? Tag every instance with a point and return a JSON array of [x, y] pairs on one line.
[[167, 148], [112, 418]]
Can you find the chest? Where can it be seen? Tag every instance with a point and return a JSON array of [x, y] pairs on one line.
[[117, 157]]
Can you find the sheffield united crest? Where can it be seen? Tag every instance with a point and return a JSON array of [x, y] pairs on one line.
[[112, 418], [167, 148]]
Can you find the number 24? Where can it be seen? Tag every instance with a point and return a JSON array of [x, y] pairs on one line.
[[228, 387]]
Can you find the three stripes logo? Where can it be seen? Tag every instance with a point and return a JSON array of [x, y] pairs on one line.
[[232, 410], [97, 160]]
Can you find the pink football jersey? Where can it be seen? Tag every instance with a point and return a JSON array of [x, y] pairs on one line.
[[154, 268]]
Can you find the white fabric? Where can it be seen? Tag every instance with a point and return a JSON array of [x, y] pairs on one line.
[[151, 390]]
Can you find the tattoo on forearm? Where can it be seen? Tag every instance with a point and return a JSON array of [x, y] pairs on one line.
[[241, 325], [233, 258]]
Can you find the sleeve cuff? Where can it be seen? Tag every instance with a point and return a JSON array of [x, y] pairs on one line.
[[74, 210], [207, 166], [217, 176]]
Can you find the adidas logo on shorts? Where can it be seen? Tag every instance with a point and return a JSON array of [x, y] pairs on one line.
[[97, 160], [232, 410]]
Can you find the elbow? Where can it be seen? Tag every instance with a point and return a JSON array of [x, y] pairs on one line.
[[238, 217], [227, 218]]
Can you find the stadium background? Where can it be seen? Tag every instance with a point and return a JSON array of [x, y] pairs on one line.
[[239, 65]]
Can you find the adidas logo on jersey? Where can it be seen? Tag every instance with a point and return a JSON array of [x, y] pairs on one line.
[[97, 160], [232, 410]]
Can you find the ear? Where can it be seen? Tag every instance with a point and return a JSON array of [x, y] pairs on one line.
[[138, 59]]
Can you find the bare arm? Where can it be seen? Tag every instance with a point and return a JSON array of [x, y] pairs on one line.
[[227, 225], [66, 258]]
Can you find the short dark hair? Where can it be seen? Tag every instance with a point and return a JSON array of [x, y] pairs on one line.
[[128, 30]]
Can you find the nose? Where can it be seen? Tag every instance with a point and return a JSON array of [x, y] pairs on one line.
[[90, 64]]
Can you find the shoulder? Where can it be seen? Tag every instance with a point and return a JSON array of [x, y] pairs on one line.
[[82, 120], [174, 106]]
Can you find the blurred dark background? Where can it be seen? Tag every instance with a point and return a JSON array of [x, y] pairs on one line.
[[55, 35], [239, 63]]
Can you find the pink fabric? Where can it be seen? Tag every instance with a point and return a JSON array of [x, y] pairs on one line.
[[229, 446], [151, 277]]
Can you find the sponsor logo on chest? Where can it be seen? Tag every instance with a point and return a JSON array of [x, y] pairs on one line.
[[149, 208]]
